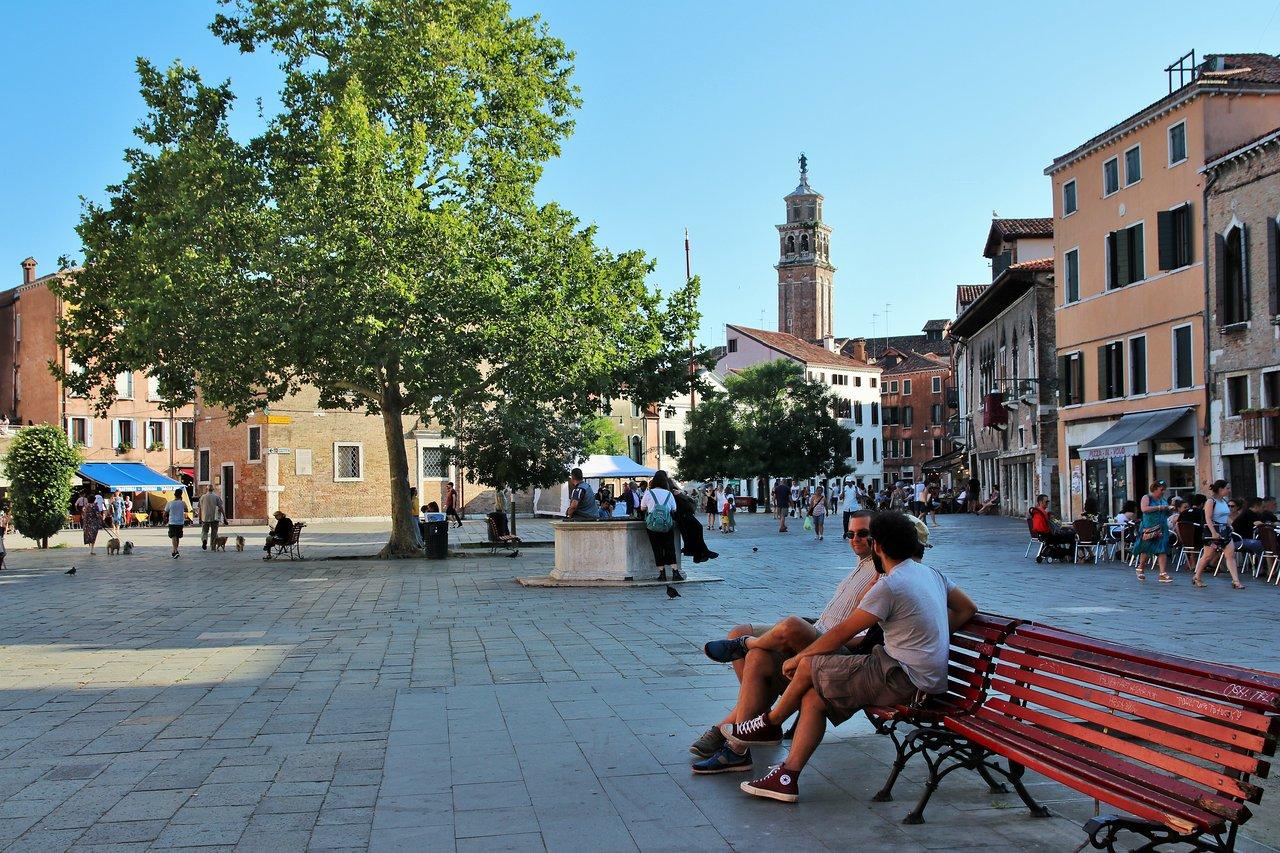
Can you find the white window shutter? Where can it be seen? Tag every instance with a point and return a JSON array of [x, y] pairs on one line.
[[88, 432], [115, 433]]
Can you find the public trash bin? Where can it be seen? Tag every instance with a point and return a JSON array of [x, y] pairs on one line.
[[436, 536]]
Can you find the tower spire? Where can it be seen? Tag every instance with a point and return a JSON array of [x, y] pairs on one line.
[[805, 291], [804, 168]]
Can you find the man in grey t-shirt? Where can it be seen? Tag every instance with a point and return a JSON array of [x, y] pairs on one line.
[[582, 499], [916, 606], [212, 512]]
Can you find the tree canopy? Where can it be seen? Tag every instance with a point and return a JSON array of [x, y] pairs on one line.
[[40, 463], [379, 240], [771, 421]]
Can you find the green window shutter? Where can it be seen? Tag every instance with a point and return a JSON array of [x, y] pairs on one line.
[[1102, 373], [1137, 254], [1117, 369], [1273, 269], [1115, 261], [1064, 367], [1246, 297], [1220, 276], [1188, 234], [1165, 230]]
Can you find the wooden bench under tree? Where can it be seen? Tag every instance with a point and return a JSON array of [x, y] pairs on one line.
[[292, 546]]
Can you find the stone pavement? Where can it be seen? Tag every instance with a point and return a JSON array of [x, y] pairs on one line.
[[220, 702]]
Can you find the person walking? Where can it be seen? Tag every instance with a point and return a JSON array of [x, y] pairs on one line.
[[818, 509], [1218, 542], [973, 487], [176, 514], [212, 512], [6, 520], [712, 506], [781, 503], [90, 520], [117, 509], [451, 504], [658, 506], [1153, 532], [849, 504], [728, 511]]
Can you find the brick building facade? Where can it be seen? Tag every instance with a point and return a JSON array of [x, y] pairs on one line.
[[1242, 203], [806, 294], [913, 407]]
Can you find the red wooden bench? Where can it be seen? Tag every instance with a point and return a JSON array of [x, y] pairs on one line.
[[1172, 742], [972, 660]]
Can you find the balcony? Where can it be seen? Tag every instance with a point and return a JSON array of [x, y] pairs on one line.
[[1261, 429]]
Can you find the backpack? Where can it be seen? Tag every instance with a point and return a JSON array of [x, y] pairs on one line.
[[659, 518]]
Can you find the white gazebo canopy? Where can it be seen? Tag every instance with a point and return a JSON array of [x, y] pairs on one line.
[[600, 465]]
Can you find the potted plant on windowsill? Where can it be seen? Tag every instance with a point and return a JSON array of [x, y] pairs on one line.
[[124, 447], [155, 446]]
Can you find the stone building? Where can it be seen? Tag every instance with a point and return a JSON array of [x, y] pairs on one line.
[[1006, 367], [136, 428], [913, 406], [805, 290], [1242, 204], [1130, 281]]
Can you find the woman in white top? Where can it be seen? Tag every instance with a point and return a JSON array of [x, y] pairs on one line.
[[818, 509], [663, 542]]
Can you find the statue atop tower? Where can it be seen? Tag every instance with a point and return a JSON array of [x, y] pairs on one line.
[[805, 294]]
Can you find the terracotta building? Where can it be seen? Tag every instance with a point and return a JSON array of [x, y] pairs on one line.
[[136, 428], [1003, 341], [1130, 281], [913, 406], [1242, 200], [805, 290]]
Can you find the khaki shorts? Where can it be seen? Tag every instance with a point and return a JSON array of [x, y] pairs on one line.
[[849, 683]]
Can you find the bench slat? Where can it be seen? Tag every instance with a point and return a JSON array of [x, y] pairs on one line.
[[1094, 666], [1237, 738], [1089, 737], [1246, 687], [1106, 787]]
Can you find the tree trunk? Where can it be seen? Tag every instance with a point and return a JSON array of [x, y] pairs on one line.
[[402, 541]]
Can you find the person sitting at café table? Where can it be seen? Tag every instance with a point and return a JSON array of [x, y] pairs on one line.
[[1043, 527]]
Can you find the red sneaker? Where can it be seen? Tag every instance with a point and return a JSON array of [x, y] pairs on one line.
[[756, 731], [778, 784]]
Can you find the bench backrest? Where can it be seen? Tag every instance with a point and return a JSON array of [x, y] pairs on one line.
[[1176, 736], [972, 660], [297, 531]]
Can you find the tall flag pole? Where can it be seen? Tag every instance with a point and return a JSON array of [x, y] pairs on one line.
[[688, 277]]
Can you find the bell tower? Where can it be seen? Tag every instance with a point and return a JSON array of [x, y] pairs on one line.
[[804, 267]]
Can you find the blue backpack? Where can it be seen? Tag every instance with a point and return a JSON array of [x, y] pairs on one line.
[[659, 518]]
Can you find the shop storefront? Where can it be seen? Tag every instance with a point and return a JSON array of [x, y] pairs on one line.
[[1119, 463]]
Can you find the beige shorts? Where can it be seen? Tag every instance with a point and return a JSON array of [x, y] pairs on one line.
[[848, 683]]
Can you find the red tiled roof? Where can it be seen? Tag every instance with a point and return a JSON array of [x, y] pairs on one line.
[[966, 293], [915, 363], [800, 350], [1034, 266], [1012, 229]]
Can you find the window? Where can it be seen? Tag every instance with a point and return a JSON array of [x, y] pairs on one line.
[[843, 408], [1177, 143], [669, 442], [1071, 271], [78, 431], [1125, 261], [157, 435], [186, 435], [857, 382], [122, 434], [1183, 376], [873, 382], [839, 379], [153, 389], [255, 444], [857, 413], [733, 344], [303, 463], [202, 466], [906, 386], [1174, 237], [937, 384], [908, 417], [1110, 177], [1110, 371], [1237, 395], [875, 420], [935, 414], [1069, 198], [893, 387], [937, 448], [1232, 277], [635, 411], [124, 386], [859, 448], [1133, 165], [1071, 377], [891, 448], [874, 454], [433, 464], [348, 462], [891, 415], [1138, 365], [17, 327], [906, 448]]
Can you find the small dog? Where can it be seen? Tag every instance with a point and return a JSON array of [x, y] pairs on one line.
[[239, 543], [220, 543], [128, 548], [113, 546]]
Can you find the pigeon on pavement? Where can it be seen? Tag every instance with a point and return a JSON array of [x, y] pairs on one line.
[[70, 571], [672, 592]]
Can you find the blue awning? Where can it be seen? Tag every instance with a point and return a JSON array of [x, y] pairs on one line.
[[127, 476]]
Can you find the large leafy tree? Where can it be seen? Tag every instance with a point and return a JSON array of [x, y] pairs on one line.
[[40, 463], [379, 240], [772, 421]]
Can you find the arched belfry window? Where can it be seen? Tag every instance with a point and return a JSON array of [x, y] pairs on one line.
[[804, 242], [791, 244]]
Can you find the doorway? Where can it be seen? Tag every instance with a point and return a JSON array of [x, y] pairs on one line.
[[1242, 474], [229, 490]]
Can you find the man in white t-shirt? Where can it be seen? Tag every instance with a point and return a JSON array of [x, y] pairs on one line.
[[916, 606], [760, 672], [850, 502], [918, 492]]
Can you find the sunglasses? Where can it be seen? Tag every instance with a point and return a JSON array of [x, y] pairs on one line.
[[861, 534]]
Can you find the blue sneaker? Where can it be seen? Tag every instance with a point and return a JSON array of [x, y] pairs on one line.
[[726, 651], [724, 761]]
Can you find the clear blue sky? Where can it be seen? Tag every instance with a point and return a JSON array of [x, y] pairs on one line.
[[919, 119]]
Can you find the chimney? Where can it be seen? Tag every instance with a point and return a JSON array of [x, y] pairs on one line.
[[829, 343], [28, 270], [858, 349]]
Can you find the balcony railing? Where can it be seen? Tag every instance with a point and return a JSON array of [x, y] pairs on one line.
[[1261, 428]]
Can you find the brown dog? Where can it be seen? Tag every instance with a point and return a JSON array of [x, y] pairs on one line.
[[239, 543], [113, 546], [219, 543]]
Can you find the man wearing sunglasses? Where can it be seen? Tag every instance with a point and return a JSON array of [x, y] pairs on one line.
[[760, 671]]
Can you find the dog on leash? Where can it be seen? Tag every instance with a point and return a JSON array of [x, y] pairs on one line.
[[113, 546], [239, 543], [220, 543], [128, 548]]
